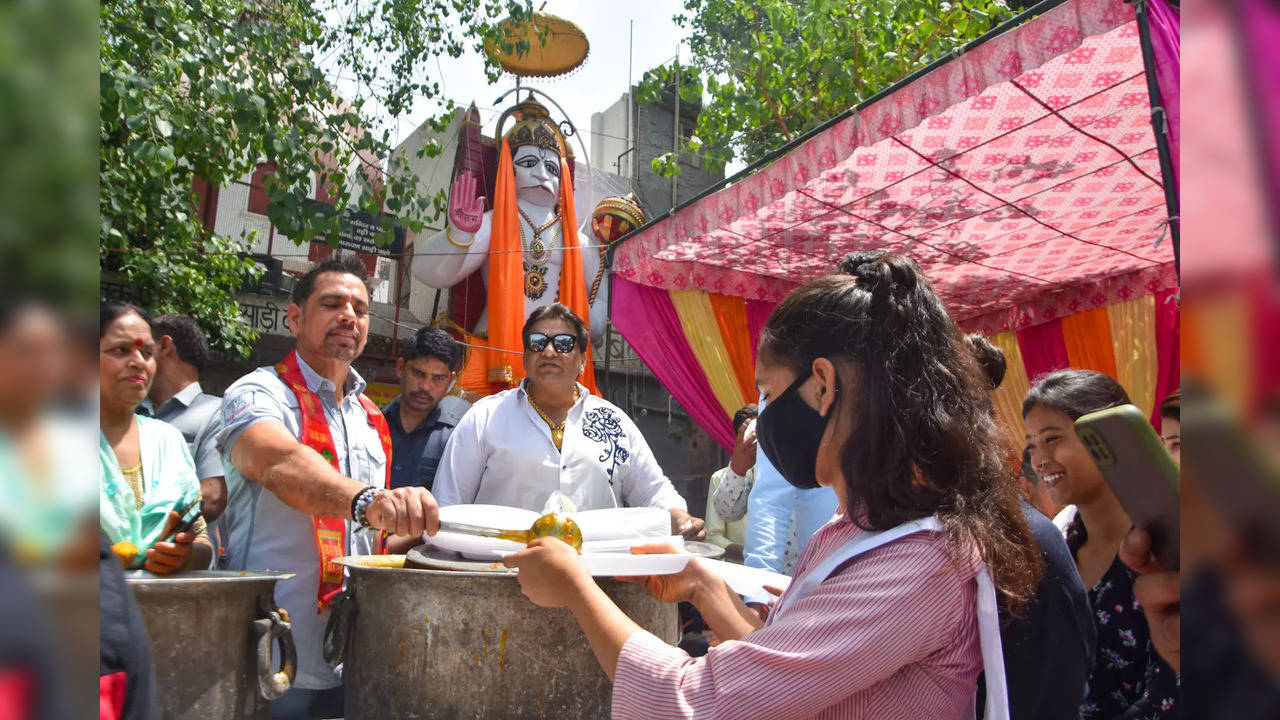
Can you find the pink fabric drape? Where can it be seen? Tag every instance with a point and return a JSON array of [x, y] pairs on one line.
[[648, 322], [1260, 29], [1043, 349], [758, 312], [1166, 46], [1168, 363]]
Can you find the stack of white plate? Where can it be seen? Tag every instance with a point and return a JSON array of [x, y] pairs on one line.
[[607, 537]]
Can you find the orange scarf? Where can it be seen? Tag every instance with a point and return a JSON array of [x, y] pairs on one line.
[[330, 532]]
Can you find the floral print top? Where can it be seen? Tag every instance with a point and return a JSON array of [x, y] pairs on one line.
[[1129, 679]]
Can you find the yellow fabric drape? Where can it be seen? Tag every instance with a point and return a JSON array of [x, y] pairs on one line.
[[1133, 343], [693, 307], [573, 286], [1087, 335], [731, 316], [1007, 399], [506, 278]]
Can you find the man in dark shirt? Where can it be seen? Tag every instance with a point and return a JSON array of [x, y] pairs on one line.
[[422, 417]]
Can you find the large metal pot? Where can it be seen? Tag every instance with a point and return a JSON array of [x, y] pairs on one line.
[[212, 633], [447, 644]]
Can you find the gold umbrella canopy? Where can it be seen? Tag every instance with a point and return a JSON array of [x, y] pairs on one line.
[[566, 47]]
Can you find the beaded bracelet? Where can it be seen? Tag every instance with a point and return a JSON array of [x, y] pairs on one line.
[[360, 505]]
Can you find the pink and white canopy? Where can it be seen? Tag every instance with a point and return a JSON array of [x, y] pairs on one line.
[[1022, 174]]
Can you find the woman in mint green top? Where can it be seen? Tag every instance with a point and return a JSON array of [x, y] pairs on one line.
[[147, 471], [48, 516]]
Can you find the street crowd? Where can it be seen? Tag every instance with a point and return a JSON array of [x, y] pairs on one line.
[[935, 568]]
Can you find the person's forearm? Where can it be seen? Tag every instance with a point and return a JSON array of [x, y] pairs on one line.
[[605, 625], [213, 497], [724, 612], [441, 260], [306, 482]]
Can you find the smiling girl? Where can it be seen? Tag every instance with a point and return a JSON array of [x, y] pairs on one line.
[[1129, 680]]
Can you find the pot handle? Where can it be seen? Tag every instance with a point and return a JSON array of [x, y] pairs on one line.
[[274, 684], [337, 630]]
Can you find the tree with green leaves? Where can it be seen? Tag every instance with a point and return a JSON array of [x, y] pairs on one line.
[[212, 88], [768, 71]]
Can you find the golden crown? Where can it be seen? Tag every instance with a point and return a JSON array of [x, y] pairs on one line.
[[534, 127]]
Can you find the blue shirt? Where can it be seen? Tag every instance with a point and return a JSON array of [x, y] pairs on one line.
[[415, 454], [776, 511]]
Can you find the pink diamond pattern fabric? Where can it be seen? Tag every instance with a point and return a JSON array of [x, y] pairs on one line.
[[1023, 175]]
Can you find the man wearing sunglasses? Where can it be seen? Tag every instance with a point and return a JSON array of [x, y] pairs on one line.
[[549, 442]]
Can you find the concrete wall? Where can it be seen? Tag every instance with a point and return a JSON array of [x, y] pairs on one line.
[[609, 139], [655, 132]]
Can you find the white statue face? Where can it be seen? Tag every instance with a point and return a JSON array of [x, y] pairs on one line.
[[537, 175]]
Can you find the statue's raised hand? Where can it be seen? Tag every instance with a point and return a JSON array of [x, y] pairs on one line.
[[465, 209]]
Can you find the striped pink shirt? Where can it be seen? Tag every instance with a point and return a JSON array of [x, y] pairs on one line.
[[892, 634]]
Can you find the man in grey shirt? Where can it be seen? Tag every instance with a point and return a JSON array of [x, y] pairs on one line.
[[177, 398], [295, 506]]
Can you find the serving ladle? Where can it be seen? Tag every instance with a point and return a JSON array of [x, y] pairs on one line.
[[549, 525]]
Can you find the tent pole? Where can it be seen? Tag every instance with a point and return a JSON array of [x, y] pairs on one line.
[[1160, 126], [608, 338]]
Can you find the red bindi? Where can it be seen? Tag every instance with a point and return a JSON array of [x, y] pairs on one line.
[[137, 342]]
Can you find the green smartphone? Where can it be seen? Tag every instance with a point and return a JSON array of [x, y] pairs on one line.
[[1140, 472]]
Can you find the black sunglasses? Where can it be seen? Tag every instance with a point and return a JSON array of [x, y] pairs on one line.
[[564, 343]]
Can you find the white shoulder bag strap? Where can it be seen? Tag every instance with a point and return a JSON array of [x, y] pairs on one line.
[[997, 706]]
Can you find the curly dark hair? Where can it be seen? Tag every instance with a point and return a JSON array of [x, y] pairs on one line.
[[339, 262], [990, 358], [924, 439], [430, 342], [188, 337]]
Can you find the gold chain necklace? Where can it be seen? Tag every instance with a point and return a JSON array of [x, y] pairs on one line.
[[539, 251], [557, 431]]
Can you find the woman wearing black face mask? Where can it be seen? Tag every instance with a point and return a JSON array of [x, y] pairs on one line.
[[872, 391]]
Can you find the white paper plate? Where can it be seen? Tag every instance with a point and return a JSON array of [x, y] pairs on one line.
[[624, 545], [500, 516], [475, 547], [609, 564], [608, 525], [746, 580], [618, 523]]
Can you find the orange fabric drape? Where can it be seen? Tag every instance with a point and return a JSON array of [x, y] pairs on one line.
[[573, 286], [1087, 335], [506, 278], [731, 316]]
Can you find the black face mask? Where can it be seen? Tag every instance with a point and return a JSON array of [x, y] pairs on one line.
[[789, 433]]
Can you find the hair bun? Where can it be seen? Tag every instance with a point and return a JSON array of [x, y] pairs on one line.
[[866, 266], [882, 272]]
